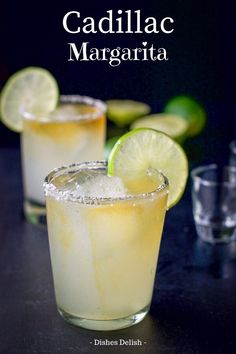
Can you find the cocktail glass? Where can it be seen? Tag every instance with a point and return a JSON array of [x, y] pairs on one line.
[[74, 132], [104, 244]]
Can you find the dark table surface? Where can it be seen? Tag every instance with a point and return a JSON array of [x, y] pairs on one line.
[[194, 303]]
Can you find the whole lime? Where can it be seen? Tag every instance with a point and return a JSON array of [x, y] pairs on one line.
[[189, 109]]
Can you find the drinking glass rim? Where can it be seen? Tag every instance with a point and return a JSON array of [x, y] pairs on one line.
[[70, 99], [51, 190], [195, 171]]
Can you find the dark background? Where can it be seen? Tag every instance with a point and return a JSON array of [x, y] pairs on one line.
[[200, 51], [193, 308]]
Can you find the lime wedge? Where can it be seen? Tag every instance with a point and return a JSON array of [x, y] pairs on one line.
[[189, 109], [124, 112], [174, 126], [31, 89], [143, 149]]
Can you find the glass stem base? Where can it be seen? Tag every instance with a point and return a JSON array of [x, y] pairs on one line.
[[216, 235], [105, 325]]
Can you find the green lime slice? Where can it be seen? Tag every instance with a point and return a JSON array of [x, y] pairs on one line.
[[174, 126], [189, 109], [144, 149], [31, 89], [124, 112]]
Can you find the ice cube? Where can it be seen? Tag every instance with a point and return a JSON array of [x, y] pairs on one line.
[[71, 111], [101, 186]]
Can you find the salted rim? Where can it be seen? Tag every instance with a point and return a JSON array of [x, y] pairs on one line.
[[72, 99], [51, 190], [208, 183]]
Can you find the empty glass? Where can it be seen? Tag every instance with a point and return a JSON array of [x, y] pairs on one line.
[[214, 203]]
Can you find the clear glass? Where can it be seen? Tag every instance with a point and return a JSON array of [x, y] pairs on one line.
[[74, 132], [232, 158], [104, 249], [214, 203]]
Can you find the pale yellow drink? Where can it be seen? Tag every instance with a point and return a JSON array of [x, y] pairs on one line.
[[74, 132], [104, 244]]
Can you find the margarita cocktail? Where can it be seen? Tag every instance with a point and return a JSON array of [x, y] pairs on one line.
[[105, 224], [104, 243], [55, 130], [73, 132]]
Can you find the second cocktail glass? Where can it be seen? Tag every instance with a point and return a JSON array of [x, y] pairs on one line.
[[74, 132]]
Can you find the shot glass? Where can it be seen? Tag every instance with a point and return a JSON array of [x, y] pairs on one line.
[[232, 157], [214, 203], [104, 246], [74, 132]]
